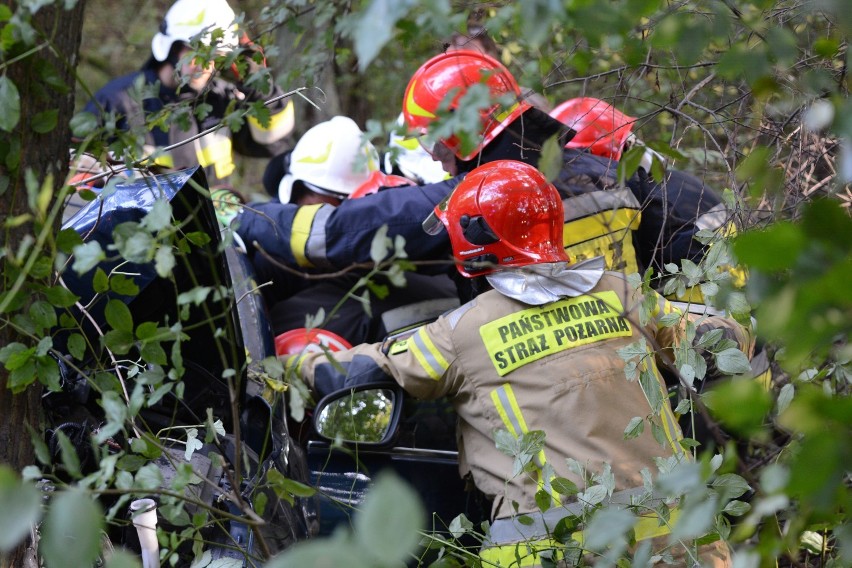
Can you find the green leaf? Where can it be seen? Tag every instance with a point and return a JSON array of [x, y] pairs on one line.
[[87, 256], [72, 530], [564, 486], [695, 519], [550, 163], [287, 488], [730, 485], [118, 316], [388, 525], [124, 559], [375, 28], [44, 122], [43, 315], [100, 282], [634, 428], [740, 405], [159, 217], [70, 459], [149, 477], [543, 500], [133, 242], [629, 163], [732, 361], [60, 296], [164, 261], [737, 508], [380, 245], [124, 285], [651, 387], [20, 508], [10, 102], [607, 526]]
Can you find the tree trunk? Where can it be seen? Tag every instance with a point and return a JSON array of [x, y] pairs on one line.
[[59, 33]]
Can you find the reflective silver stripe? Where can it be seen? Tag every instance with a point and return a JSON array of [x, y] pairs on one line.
[[510, 413], [428, 357], [579, 206], [315, 247], [541, 525], [454, 316]]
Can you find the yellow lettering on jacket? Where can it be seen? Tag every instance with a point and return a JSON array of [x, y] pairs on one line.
[[526, 336]]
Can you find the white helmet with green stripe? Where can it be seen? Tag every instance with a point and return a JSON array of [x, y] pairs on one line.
[[332, 158]]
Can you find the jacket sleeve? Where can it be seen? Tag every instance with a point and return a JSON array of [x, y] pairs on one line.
[[672, 337], [671, 209], [420, 362], [265, 139], [330, 238]]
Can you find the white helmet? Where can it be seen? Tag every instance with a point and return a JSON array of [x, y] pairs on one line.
[[332, 158], [188, 19], [411, 159]]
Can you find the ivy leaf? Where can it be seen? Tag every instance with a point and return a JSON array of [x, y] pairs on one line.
[[10, 102], [192, 443], [60, 296], [118, 316], [164, 261], [159, 217], [87, 256]]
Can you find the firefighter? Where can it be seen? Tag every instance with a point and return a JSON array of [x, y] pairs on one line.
[[181, 74], [537, 349], [331, 163], [605, 131], [603, 218]]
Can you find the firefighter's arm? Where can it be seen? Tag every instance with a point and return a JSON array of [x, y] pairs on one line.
[[672, 329], [419, 362]]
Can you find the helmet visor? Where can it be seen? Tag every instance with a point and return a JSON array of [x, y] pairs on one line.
[[434, 224]]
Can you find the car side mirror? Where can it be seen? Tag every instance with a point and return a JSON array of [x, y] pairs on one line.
[[365, 414]]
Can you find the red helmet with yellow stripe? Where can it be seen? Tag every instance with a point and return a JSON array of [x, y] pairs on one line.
[[504, 213], [601, 128], [451, 75]]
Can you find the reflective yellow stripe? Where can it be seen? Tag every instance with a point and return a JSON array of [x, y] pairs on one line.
[[216, 150], [510, 413], [505, 114], [300, 232], [275, 121], [667, 418], [412, 107], [528, 553], [432, 361], [607, 234]]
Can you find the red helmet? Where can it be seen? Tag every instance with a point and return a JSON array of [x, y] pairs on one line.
[[376, 181], [308, 340], [601, 128], [452, 73], [504, 213]]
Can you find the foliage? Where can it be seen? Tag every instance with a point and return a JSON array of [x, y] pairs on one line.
[[752, 94]]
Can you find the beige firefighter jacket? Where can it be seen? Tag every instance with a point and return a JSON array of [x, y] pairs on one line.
[[507, 365]]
